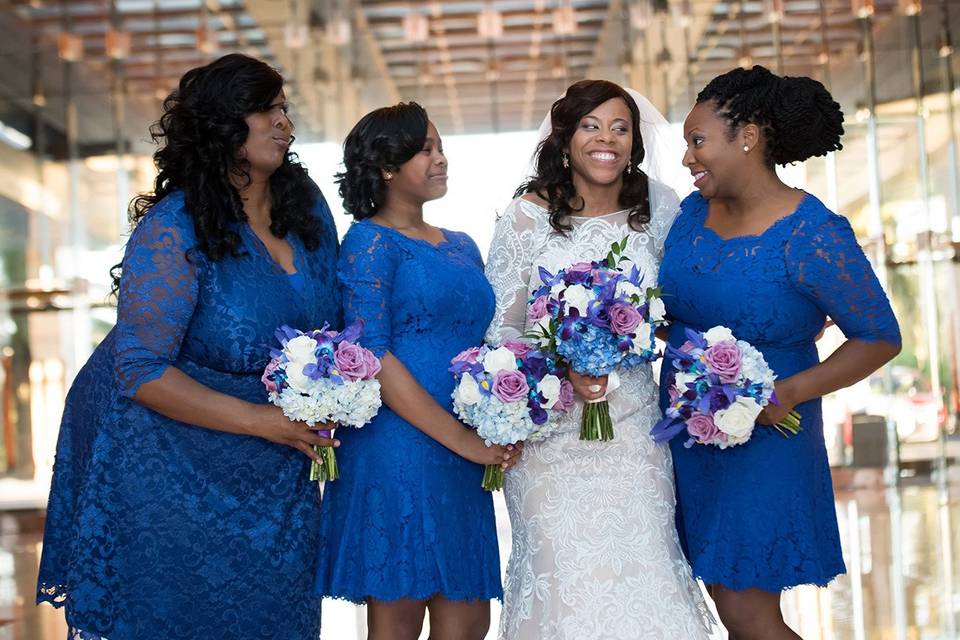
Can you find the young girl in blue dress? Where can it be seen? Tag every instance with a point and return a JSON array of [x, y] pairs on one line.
[[771, 263], [407, 527]]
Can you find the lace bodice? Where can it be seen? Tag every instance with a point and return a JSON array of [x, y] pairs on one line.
[[524, 241]]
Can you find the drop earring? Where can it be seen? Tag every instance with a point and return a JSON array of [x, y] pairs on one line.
[[564, 160]]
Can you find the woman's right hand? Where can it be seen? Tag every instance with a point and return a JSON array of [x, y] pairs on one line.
[[269, 423], [584, 386]]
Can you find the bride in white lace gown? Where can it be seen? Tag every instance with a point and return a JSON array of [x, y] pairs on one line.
[[595, 551]]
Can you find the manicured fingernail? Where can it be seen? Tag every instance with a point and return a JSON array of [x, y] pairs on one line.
[[336, 443]]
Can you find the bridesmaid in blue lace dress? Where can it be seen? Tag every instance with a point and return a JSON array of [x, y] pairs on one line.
[[407, 526], [180, 504], [771, 263]]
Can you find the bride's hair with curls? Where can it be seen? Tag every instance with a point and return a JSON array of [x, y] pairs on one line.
[[554, 182], [199, 134]]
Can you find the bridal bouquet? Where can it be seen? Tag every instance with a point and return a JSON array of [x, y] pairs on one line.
[[508, 395], [718, 387], [597, 317], [323, 376]]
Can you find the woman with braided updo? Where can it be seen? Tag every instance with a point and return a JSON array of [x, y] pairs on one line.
[[771, 263]]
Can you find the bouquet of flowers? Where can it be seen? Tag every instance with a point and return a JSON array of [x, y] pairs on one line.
[[596, 316], [323, 376], [718, 387], [508, 394]]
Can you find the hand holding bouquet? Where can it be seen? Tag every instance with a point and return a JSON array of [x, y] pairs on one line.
[[323, 376], [597, 317], [509, 394], [718, 387]]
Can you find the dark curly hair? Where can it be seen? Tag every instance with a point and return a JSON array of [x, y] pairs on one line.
[[554, 183], [384, 139], [199, 133], [797, 115]]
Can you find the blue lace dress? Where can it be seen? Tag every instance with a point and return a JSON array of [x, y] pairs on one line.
[[159, 529], [761, 515], [408, 518]]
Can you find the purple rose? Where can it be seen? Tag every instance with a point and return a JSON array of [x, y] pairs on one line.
[[565, 400], [510, 386], [354, 362], [624, 319], [579, 267], [537, 309], [723, 359], [267, 377], [519, 348], [702, 428], [470, 355]]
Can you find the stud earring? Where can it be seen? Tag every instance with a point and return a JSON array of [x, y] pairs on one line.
[[746, 148], [565, 161], [388, 176]]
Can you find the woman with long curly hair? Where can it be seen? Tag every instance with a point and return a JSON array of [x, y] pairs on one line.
[[408, 528], [180, 505], [595, 551]]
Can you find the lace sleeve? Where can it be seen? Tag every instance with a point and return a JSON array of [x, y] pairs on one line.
[[664, 207], [366, 270], [827, 264], [509, 265], [158, 293]]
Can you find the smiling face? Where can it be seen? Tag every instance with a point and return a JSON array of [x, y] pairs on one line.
[[424, 176], [268, 138], [600, 147], [716, 160]]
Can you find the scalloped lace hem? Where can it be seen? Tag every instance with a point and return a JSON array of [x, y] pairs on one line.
[[455, 597]]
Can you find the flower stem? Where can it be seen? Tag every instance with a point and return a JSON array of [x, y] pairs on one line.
[[790, 425], [327, 469], [492, 477], [596, 424]]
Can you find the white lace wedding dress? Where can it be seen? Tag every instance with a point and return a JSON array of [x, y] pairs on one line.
[[595, 553]]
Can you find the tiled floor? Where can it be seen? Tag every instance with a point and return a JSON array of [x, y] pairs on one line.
[[902, 549]]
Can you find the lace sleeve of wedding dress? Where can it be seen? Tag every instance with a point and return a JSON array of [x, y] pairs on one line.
[[509, 267], [664, 207]]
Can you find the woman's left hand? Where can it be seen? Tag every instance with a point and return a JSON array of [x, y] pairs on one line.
[[775, 413]]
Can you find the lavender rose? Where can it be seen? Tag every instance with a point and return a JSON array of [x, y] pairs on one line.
[[566, 396], [537, 309], [624, 319], [267, 377], [354, 362], [702, 428], [470, 355], [518, 347], [723, 358], [510, 386]]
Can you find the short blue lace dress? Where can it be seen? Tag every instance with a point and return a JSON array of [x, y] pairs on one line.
[[761, 515], [160, 529], [408, 518]]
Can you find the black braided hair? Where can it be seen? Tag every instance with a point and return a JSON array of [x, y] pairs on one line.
[[554, 183], [201, 128], [383, 139], [797, 115]]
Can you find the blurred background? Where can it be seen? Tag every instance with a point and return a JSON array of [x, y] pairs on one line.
[[81, 81]]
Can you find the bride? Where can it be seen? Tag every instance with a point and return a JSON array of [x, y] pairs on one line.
[[595, 551]]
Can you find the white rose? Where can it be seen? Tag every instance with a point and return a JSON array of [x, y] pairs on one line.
[[468, 392], [737, 420], [627, 289], [499, 360], [658, 311], [301, 349], [577, 297], [683, 378], [642, 342], [550, 388], [718, 334], [297, 380]]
